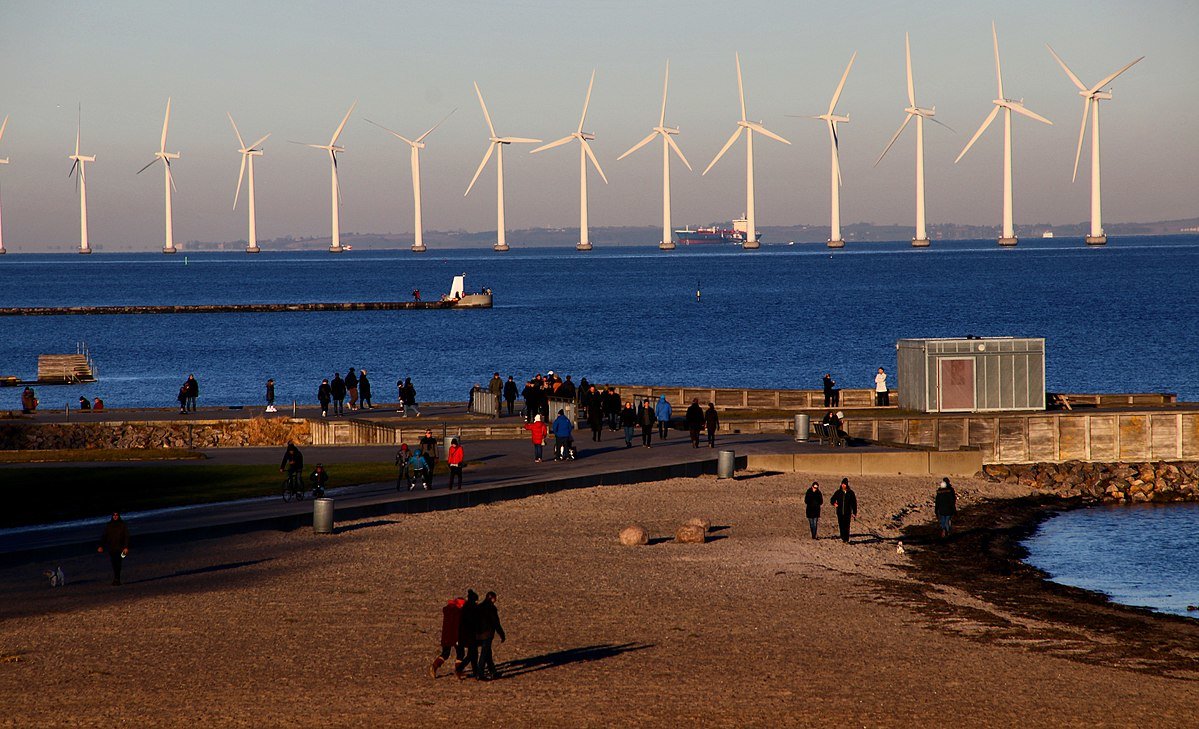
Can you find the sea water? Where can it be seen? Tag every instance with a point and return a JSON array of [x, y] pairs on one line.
[[1145, 555], [1116, 319]]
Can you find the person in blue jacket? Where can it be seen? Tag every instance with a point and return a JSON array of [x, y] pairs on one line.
[[662, 411], [562, 430]]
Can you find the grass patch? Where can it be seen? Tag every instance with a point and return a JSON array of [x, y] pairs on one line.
[[46, 495], [101, 455]]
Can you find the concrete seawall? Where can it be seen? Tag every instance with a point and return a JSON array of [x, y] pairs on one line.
[[233, 308]]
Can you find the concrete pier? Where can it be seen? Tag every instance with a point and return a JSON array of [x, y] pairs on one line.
[[237, 308]]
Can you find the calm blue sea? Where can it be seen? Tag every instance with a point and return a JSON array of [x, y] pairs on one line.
[[1142, 555], [1120, 318]]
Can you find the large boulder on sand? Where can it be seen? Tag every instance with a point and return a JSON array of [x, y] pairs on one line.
[[690, 534], [706, 524], [634, 535]]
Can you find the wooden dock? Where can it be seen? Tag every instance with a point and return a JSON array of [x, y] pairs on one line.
[[235, 308], [64, 368]]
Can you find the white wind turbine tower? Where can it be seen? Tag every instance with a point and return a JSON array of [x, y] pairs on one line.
[[920, 114], [418, 245], [248, 153], [832, 120], [3, 161], [585, 153], [78, 162], [667, 242], [335, 189], [496, 144], [1091, 97], [751, 232], [1008, 236], [168, 181]]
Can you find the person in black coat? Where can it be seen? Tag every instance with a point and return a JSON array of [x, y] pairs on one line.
[[830, 392], [846, 503], [946, 503], [510, 393], [488, 627], [352, 388], [647, 418], [115, 541], [695, 421], [409, 398], [323, 395], [364, 390], [193, 392], [468, 628], [712, 423], [612, 407], [595, 418], [813, 499], [337, 389], [628, 420]]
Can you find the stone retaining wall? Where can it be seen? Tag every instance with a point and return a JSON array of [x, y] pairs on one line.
[[1112, 482], [163, 434]]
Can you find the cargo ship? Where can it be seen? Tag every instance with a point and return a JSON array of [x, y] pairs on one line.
[[714, 234]]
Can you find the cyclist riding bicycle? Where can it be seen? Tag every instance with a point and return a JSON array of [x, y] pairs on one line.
[[293, 462], [319, 478]]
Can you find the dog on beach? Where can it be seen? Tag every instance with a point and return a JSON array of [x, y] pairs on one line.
[[899, 547], [55, 577]]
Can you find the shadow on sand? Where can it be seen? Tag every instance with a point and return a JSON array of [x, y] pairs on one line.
[[532, 664], [204, 570]]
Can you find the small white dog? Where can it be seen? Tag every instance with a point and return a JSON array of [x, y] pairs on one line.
[[56, 577], [899, 548]]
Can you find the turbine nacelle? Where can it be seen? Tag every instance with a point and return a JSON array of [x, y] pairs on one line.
[[919, 111], [666, 130]]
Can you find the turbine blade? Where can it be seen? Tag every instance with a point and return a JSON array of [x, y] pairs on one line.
[[763, 130], [240, 174], [147, 165], [678, 151], [486, 156], [242, 144], [587, 101], [336, 177], [998, 72], [170, 177], [938, 121], [665, 86], [1112, 77], [725, 148], [740, 85], [486, 116], [518, 140], [837, 94], [166, 120], [1020, 109], [78, 125], [341, 126], [907, 47], [1081, 86], [986, 123], [551, 145], [260, 141], [392, 133], [649, 138], [832, 132], [421, 138], [899, 131], [594, 161], [1086, 109], [3, 126], [74, 164]]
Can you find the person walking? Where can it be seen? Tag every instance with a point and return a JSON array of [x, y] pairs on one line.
[[510, 393], [628, 420], [537, 431], [454, 459], [352, 388], [695, 421], [410, 398], [845, 501], [337, 389], [488, 627], [115, 541], [881, 395], [181, 397], [813, 499], [468, 628], [270, 396], [428, 444], [193, 392], [946, 505], [403, 476], [830, 390], [400, 395], [595, 418], [612, 407], [662, 413], [451, 619], [712, 423], [323, 396], [563, 436], [364, 391], [496, 387], [647, 418], [422, 472]]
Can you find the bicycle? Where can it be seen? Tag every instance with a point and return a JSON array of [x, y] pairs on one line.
[[293, 487]]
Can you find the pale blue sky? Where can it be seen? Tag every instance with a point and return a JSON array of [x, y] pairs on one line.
[[292, 68]]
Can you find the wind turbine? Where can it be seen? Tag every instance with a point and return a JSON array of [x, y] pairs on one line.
[[1091, 97], [920, 114], [78, 163], [3, 161], [168, 181], [585, 153], [248, 153], [418, 245], [1008, 236], [751, 233], [334, 188], [495, 144], [832, 120], [667, 242]]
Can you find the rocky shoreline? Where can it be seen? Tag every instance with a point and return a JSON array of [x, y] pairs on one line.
[[1159, 481]]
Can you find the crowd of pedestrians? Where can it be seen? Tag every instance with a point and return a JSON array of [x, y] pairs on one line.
[[468, 629]]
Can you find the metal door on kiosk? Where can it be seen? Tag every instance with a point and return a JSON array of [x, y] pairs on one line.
[[955, 384]]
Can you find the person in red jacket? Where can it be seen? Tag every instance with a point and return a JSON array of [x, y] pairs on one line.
[[538, 430], [451, 616], [454, 459]]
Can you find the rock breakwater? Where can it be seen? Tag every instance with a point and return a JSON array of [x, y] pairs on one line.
[[1158, 481]]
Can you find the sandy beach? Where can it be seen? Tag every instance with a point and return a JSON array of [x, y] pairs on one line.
[[761, 626]]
